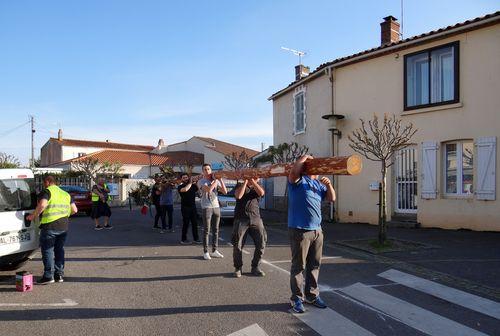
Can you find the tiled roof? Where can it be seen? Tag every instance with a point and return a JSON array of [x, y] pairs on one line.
[[406, 43], [226, 148], [101, 144], [141, 158]]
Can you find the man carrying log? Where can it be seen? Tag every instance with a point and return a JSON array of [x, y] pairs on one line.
[[247, 221], [305, 193]]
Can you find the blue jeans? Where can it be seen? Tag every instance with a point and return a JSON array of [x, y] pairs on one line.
[[52, 246]]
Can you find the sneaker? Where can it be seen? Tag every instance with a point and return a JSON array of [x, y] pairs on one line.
[[298, 306], [317, 302], [206, 256], [44, 281], [185, 242], [237, 273], [162, 231], [97, 228], [216, 254], [155, 227], [109, 227], [58, 278], [198, 242], [258, 272]]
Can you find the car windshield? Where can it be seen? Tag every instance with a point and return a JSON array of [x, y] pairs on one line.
[[17, 194], [75, 189]]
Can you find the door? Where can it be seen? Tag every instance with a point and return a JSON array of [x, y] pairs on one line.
[[406, 181]]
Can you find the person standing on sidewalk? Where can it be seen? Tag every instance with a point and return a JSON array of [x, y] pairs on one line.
[[247, 220], [100, 207], [210, 210], [155, 199], [305, 194], [54, 207], [167, 207], [187, 190]]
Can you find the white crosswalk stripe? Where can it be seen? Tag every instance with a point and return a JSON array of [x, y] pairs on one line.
[[253, 330], [326, 321], [449, 294], [407, 313]]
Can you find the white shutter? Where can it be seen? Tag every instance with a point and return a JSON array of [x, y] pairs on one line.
[[428, 175], [486, 164]]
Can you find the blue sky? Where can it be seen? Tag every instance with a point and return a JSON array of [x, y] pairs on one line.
[[136, 71]]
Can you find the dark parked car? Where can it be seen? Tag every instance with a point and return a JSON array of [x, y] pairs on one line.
[[81, 196]]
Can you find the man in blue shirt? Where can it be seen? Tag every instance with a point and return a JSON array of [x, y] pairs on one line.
[[305, 194]]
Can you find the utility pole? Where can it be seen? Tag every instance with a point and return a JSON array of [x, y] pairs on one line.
[[32, 120]]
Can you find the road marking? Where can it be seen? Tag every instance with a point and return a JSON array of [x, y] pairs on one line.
[[289, 261], [407, 313], [324, 321], [253, 330], [66, 303], [470, 301]]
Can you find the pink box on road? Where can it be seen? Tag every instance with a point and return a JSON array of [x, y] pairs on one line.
[[24, 281]]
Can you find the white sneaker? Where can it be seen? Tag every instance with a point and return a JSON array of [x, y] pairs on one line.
[[216, 254], [206, 256]]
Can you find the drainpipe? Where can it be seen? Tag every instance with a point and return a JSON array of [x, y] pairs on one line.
[[333, 206]]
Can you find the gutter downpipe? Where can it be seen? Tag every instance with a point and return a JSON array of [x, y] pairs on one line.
[[403, 45], [329, 71]]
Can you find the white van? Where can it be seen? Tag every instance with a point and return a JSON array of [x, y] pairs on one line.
[[18, 237]]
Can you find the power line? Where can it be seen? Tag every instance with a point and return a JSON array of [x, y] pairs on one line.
[[5, 133]]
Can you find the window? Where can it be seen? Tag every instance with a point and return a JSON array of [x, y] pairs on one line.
[[299, 113], [81, 154], [458, 166], [431, 77]]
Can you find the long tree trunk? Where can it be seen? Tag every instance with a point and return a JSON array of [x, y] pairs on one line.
[[382, 236]]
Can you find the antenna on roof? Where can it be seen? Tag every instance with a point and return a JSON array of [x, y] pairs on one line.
[[296, 53], [402, 19]]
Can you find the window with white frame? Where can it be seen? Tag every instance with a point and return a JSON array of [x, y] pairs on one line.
[[299, 112], [458, 167], [431, 77]]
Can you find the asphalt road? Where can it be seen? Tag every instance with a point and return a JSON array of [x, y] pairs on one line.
[[135, 281]]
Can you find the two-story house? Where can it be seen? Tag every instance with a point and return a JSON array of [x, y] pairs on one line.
[[447, 83]]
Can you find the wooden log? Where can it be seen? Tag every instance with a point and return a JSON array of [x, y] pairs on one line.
[[337, 165]]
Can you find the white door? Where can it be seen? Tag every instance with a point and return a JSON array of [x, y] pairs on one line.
[[406, 180]]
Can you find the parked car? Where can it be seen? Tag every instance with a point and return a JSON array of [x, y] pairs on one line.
[[18, 236], [81, 196], [227, 204]]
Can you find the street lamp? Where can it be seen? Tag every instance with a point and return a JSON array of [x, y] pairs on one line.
[[332, 123]]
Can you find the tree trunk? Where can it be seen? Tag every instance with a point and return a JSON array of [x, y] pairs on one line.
[[337, 165], [382, 236]]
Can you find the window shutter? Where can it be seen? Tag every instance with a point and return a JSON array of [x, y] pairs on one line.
[[429, 161], [486, 164]]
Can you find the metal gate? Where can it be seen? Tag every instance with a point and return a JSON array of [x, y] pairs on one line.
[[406, 181]]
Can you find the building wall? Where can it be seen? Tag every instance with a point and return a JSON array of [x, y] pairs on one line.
[[50, 153], [70, 152], [376, 86], [198, 146]]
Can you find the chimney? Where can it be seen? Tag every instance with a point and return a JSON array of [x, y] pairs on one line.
[[389, 30], [59, 135], [161, 144], [301, 71]]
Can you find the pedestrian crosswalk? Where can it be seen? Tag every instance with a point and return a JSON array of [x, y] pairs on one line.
[[324, 322]]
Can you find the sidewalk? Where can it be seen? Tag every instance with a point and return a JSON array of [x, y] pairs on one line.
[[460, 256]]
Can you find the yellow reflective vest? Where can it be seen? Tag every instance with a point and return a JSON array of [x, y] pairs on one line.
[[95, 197], [58, 206]]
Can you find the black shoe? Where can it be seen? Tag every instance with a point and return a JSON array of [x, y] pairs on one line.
[[109, 227], [44, 281], [58, 278], [258, 272]]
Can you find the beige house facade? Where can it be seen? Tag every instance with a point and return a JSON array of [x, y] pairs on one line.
[[447, 84]]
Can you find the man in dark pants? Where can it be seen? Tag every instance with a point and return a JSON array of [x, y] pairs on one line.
[[247, 221], [305, 194], [54, 206], [155, 199], [187, 190]]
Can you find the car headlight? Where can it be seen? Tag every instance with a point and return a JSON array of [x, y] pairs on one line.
[[222, 204]]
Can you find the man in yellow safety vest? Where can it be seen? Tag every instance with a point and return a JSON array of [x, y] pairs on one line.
[[54, 207]]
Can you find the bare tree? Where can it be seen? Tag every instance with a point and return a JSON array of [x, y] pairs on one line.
[[287, 152], [379, 143], [89, 167], [237, 161], [8, 161], [112, 169]]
